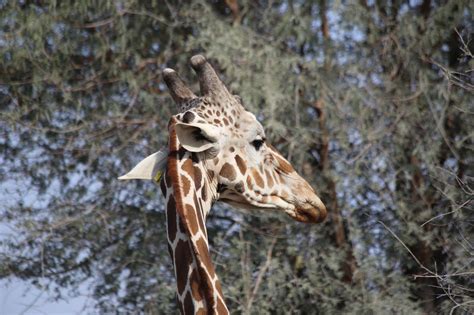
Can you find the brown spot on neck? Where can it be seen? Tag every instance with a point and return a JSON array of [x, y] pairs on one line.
[[221, 309], [183, 260], [187, 166], [169, 181], [195, 288], [197, 178], [188, 304], [186, 185], [171, 218], [206, 259], [201, 311], [193, 223]]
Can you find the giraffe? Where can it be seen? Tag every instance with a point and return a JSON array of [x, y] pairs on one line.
[[217, 150]]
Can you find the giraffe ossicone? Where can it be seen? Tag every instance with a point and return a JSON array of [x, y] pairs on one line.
[[217, 150]]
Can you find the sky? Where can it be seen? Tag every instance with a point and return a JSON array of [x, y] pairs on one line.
[[18, 297]]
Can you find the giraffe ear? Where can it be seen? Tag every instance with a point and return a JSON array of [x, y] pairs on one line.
[[150, 168], [196, 137]]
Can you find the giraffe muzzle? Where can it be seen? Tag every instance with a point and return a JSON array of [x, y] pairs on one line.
[[313, 211]]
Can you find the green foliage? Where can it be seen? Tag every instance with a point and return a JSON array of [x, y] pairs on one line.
[[388, 92]]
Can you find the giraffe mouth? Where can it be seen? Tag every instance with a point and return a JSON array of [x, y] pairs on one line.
[[309, 214], [255, 202], [311, 211]]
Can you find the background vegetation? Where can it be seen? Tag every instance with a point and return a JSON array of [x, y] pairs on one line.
[[371, 100]]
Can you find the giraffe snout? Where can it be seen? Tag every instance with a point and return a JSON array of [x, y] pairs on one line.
[[318, 206], [308, 206], [314, 211]]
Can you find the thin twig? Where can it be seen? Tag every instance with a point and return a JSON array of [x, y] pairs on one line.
[[458, 305], [447, 213], [406, 247], [261, 273]]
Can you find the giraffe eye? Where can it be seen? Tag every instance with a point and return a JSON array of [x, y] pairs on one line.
[[257, 143]]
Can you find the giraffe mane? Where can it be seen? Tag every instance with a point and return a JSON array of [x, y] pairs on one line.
[[189, 217]]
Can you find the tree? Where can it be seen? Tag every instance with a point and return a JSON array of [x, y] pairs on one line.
[[371, 101]]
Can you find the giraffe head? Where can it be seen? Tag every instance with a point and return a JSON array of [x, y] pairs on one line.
[[242, 167]]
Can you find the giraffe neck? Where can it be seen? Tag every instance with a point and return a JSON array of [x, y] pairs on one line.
[[189, 198]]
